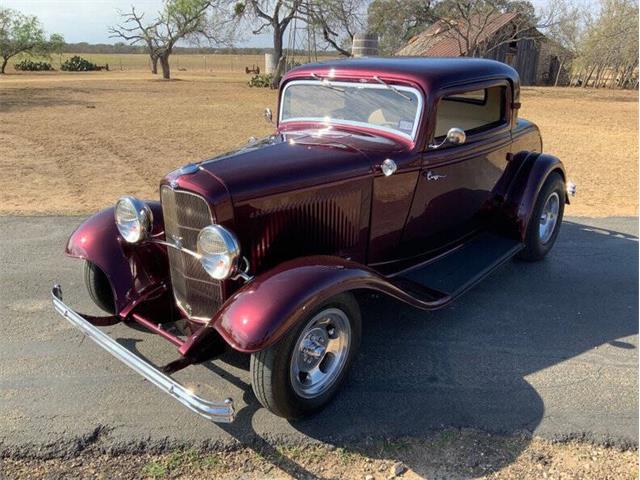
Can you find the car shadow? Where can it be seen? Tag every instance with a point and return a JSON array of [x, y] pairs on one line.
[[465, 366]]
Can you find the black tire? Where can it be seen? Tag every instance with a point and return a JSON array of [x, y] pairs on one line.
[[99, 287], [270, 368], [535, 248]]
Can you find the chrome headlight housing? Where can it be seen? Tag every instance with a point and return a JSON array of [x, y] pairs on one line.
[[133, 219], [219, 251]]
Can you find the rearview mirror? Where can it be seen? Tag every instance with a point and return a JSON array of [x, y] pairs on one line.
[[455, 136], [268, 115]]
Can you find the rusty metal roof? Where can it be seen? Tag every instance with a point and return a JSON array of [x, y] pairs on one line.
[[445, 38]]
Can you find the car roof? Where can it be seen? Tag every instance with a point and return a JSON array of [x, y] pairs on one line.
[[431, 73]]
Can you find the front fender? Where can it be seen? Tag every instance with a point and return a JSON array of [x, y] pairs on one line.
[[532, 170], [131, 269], [263, 310]]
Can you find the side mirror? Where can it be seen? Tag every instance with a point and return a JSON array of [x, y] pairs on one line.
[[268, 115], [455, 136]]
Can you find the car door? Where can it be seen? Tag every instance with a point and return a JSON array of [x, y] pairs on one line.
[[456, 181]]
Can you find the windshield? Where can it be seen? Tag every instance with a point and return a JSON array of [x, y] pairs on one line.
[[393, 109]]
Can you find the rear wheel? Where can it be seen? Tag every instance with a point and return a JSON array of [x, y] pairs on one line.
[[99, 287], [546, 218], [301, 373]]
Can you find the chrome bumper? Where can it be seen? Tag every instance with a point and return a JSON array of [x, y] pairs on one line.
[[222, 412]]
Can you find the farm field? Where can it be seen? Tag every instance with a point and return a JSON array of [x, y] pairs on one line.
[[141, 62], [75, 142]]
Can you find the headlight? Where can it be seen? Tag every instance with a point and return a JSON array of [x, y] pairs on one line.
[[133, 219], [219, 250]]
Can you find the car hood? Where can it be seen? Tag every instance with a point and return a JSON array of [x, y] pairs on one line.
[[297, 160]]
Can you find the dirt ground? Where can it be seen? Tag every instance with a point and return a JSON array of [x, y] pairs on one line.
[[75, 142], [451, 454]]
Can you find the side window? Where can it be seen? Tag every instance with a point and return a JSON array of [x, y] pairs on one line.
[[473, 111]]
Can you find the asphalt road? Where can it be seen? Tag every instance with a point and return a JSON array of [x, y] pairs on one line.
[[549, 348]]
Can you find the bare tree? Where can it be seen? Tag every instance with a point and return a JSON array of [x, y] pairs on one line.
[[609, 46], [472, 24], [337, 20], [134, 30], [178, 20], [276, 15], [567, 32]]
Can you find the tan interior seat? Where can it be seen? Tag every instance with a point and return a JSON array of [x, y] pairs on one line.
[[378, 117]]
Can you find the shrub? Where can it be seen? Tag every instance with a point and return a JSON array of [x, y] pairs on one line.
[[78, 64], [31, 66], [262, 80]]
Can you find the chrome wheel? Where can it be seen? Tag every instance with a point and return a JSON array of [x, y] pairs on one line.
[[549, 217], [320, 353]]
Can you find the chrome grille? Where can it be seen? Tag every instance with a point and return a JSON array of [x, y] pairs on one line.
[[185, 214]]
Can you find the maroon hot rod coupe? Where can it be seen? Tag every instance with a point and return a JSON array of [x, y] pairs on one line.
[[412, 177]]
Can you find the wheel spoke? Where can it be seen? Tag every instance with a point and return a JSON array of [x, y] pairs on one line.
[[315, 375]]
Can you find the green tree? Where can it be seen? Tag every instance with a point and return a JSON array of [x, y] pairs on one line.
[[24, 34], [396, 21]]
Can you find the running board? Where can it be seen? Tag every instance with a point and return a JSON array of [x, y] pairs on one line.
[[456, 272]]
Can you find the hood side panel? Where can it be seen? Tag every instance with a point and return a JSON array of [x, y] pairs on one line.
[[331, 220]]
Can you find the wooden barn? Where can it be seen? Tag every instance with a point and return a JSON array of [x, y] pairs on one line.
[[504, 37]]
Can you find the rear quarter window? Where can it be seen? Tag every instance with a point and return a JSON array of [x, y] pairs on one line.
[[473, 111]]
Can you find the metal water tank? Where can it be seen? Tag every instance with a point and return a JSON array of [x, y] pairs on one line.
[[269, 63], [365, 45]]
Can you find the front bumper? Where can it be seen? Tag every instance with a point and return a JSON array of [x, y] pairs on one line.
[[221, 412]]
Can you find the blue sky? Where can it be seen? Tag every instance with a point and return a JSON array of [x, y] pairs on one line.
[[87, 20]]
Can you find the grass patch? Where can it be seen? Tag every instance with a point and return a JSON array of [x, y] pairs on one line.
[[154, 469]]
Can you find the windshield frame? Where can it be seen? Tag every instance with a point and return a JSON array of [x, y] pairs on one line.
[[371, 126]]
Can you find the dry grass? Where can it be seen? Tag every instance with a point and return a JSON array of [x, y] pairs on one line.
[[450, 454], [595, 133], [76, 142]]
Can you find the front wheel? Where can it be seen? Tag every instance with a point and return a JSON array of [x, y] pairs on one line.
[[546, 218], [302, 372], [99, 288]]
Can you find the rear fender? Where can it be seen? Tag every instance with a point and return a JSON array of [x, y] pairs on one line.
[[262, 311], [529, 172], [131, 269]]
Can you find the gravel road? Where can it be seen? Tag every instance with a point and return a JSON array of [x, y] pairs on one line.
[[549, 348]]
